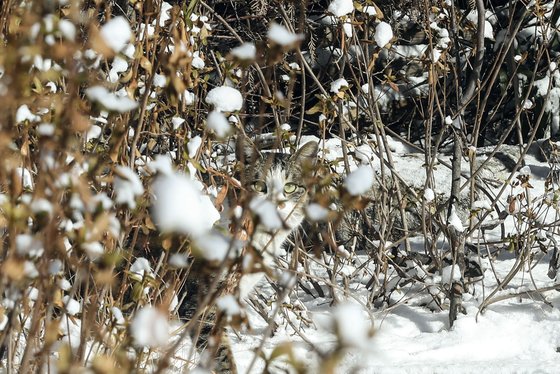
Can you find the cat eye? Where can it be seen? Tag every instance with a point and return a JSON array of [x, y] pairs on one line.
[[290, 187], [259, 186]]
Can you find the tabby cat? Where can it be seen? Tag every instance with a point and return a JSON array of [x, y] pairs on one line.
[[271, 179], [280, 179]]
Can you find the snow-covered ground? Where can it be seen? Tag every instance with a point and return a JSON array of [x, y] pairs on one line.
[[513, 334], [517, 335]]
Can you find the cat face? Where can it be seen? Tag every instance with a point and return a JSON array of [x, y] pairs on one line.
[[279, 178]]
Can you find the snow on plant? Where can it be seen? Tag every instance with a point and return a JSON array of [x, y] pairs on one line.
[[282, 36], [341, 8], [359, 181], [316, 212], [116, 33], [337, 85], [383, 34], [218, 123], [127, 186], [150, 328], [225, 99], [111, 101], [140, 269], [215, 246], [267, 212], [180, 206], [245, 51]]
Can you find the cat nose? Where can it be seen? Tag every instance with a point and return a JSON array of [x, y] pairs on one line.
[[280, 199]]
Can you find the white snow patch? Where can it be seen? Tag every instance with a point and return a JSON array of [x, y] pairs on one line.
[[215, 246], [246, 51], [229, 306], [359, 181], [26, 179], [383, 34], [72, 306], [180, 206], [24, 114], [177, 122], [150, 328], [316, 212], [116, 33], [429, 195], [455, 221], [140, 269], [27, 245], [111, 101], [267, 212], [127, 187], [337, 85], [281, 35], [341, 8], [225, 99], [218, 123]]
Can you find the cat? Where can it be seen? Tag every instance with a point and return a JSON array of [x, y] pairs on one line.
[[275, 179], [278, 181]]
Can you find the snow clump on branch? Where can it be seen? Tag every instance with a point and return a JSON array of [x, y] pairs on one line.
[[225, 99]]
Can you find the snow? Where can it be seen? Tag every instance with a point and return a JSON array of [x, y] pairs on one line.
[[228, 305], [64, 284], [116, 33], [359, 181], [180, 206], [282, 36], [150, 328], [316, 212], [455, 221], [482, 204], [127, 187], [46, 129], [198, 62], [160, 81], [30, 270], [67, 29], [383, 34], [341, 8], [27, 245], [338, 84], [525, 170], [117, 315], [110, 101], [189, 97], [267, 212], [24, 114], [193, 145], [178, 260], [25, 176], [177, 122], [349, 321], [72, 306], [141, 269], [429, 195], [93, 250], [41, 206], [218, 123], [215, 246], [225, 99], [369, 10], [246, 51]]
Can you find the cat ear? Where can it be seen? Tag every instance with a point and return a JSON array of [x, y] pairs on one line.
[[306, 154], [245, 150]]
